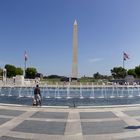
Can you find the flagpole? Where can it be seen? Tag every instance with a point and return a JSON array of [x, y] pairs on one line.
[[123, 59], [123, 63], [25, 61], [24, 67]]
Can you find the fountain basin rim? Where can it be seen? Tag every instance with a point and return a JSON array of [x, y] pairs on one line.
[[66, 86], [77, 107]]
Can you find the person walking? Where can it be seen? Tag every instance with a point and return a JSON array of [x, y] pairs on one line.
[[37, 95]]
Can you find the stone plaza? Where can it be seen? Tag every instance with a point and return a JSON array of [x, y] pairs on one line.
[[63, 123]]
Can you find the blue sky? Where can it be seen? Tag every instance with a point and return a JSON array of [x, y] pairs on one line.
[[44, 28]]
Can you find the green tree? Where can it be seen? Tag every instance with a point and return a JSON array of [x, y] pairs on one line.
[[19, 71], [137, 71], [118, 72], [97, 75], [53, 76], [30, 73], [11, 70], [131, 72]]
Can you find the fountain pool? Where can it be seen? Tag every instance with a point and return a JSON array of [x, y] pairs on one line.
[[73, 96]]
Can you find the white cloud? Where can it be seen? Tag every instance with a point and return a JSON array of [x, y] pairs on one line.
[[93, 60]]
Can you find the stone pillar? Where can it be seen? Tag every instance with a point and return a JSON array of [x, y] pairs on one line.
[[75, 50], [4, 75]]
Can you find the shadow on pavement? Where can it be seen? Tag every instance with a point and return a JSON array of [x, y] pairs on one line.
[[132, 127]]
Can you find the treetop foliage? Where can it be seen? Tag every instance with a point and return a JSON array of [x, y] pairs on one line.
[[31, 72]]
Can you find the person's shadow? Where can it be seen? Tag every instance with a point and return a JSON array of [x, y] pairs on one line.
[[132, 127]]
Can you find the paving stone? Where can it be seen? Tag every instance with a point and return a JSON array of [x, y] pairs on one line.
[[41, 127], [132, 112], [10, 138], [3, 120], [97, 115], [10, 112], [74, 129], [138, 120], [135, 138], [91, 128], [51, 115]]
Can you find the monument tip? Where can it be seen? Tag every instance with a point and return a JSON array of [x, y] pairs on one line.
[[75, 22]]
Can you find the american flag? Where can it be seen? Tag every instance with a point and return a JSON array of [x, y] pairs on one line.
[[25, 56], [125, 56]]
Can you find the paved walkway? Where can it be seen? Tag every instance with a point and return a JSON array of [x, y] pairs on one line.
[[35, 123]]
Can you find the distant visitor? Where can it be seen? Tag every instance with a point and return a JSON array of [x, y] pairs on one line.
[[37, 96]]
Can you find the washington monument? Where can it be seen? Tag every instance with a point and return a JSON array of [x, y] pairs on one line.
[[75, 50]]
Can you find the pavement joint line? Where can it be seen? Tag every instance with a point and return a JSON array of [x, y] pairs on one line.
[[116, 136], [100, 137], [73, 128], [5, 116], [127, 135], [100, 120], [55, 137], [6, 127], [33, 136], [127, 119], [73, 120], [47, 120]]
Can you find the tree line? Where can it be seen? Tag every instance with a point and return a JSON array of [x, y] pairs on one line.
[[31, 73], [119, 72]]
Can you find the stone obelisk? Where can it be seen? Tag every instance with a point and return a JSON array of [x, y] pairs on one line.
[[75, 50]]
